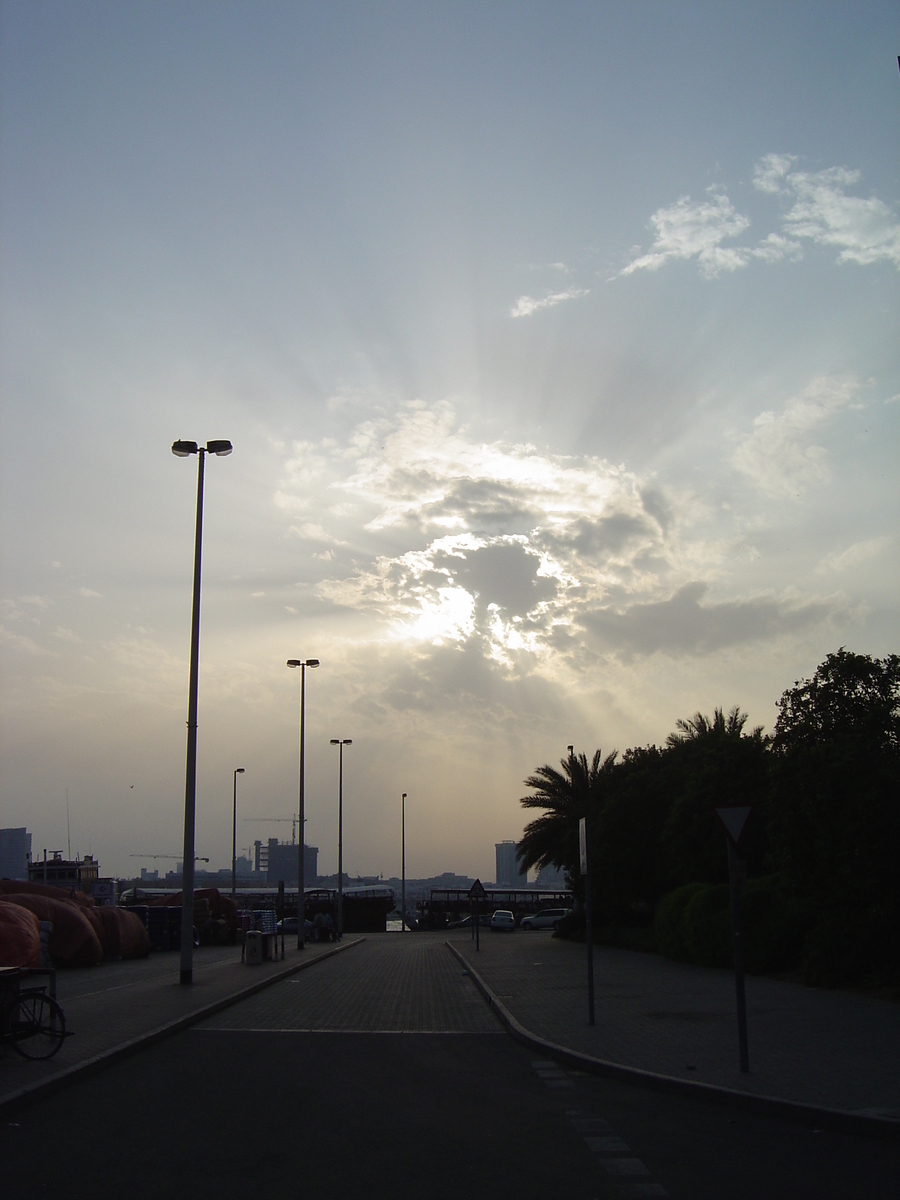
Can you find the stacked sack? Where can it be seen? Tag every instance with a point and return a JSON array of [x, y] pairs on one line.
[[81, 935]]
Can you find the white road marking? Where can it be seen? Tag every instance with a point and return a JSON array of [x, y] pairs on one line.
[[623, 1166]]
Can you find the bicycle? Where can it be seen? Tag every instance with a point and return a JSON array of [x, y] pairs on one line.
[[30, 1019]]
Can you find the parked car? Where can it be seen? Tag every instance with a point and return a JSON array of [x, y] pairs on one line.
[[466, 923], [502, 919], [546, 918]]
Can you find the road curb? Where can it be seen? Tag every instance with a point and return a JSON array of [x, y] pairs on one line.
[[825, 1118], [45, 1087]]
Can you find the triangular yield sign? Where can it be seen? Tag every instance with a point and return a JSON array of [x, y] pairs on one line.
[[734, 820]]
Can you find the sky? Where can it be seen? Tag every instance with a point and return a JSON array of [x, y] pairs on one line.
[[558, 348]]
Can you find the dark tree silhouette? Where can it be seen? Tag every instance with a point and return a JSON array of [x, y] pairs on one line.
[[710, 763], [850, 695], [578, 790], [835, 819], [698, 726]]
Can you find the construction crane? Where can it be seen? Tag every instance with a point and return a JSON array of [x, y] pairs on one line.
[[280, 821], [174, 857]]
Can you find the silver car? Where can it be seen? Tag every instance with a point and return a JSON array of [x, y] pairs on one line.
[[503, 919], [547, 918]]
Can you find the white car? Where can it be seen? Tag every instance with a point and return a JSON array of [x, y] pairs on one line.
[[502, 919], [547, 918]]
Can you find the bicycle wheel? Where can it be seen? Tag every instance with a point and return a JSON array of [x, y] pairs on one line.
[[37, 1027]]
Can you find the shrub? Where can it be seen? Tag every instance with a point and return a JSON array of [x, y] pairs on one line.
[[848, 947], [774, 924], [706, 926], [668, 924], [693, 924], [570, 926]]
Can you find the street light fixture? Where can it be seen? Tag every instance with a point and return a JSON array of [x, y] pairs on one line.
[[184, 450], [403, 863], [342, 742], [237, 771], [302, 663]]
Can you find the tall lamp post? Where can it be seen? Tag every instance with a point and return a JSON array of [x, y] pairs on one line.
[[302, 663], [237, 771], [585, 865], [403, 863], [342, 742], [184, 450]]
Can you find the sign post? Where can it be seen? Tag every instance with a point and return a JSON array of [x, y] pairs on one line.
[[279, 910], [476, 895], [588, 912], [735, 819]]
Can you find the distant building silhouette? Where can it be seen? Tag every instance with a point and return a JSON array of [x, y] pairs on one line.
[[278, 861], [551, 877], [80, 873], [508, 872], [15, 853]]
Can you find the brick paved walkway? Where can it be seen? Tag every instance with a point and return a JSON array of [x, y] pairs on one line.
[[834, 1049], [116, 1002], [397, 983]]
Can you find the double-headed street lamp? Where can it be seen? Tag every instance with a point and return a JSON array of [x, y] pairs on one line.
[[302, 663], [403, 863], [342, 742], [184, 450], [237, 771]]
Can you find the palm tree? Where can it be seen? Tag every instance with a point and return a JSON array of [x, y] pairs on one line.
[[577, 791], [710, 762], [699, 726]]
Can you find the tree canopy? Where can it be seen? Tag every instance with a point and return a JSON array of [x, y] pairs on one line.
[[820, 847]]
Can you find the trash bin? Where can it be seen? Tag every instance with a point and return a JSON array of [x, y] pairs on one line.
[[253, 947]]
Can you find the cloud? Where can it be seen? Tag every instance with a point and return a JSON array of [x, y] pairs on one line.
[[65, 635], [865, 230], [17, 641], [779, 455], [25, 608], [680, 624], [502, 592], [854, 555], [424, 471], [533, 561], [775, 247], [526, 305], [88, 593], [771, 171], [41, 602], [690, 229], [819, 210], [505, 539]]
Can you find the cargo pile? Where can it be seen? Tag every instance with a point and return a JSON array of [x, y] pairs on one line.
[[81, 934]]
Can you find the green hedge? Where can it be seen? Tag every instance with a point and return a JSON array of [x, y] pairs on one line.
[[693, 924], [668, 923]]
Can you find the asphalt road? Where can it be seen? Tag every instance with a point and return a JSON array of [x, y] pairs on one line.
[[258, 1107]]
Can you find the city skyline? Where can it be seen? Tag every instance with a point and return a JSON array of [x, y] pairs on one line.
[[558, 350]]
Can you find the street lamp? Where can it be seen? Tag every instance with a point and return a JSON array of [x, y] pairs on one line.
[[237, 771], [584, 855], [342, 742], [302, 663], [403, 863], [184, 450]]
